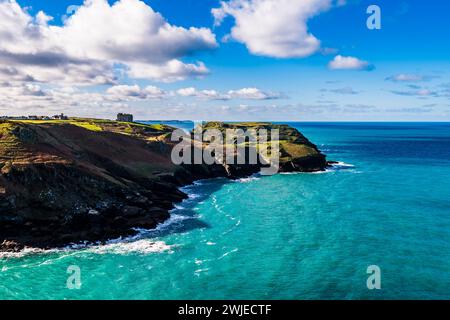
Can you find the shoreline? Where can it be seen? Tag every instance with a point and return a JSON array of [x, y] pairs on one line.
[[88, 180], [140, 233]]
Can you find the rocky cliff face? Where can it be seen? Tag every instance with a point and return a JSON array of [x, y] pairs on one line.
[[93, 180]]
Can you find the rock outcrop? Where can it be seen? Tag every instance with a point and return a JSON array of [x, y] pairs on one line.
[[92, 180]]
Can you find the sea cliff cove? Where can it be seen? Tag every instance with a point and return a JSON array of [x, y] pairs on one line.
[[219, 159], [121, 175], [218, 232]]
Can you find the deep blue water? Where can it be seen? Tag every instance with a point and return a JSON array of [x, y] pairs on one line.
[[298, 236]]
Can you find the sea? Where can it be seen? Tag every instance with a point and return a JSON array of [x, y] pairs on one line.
[[385, 206]]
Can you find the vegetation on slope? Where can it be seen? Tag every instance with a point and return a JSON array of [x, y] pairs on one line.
[[293, 145], [64, 181]]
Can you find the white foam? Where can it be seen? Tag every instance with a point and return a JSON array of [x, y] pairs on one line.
[[228, 253], [196, 183], [341, 164], [24, 252], [333, 168], [132, 244], [194, 196], [146, 233], [321, 172], [253, 177], [199, 271], [144, 246], [249, 179]]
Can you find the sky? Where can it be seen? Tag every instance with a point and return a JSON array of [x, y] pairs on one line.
[[259, 60]]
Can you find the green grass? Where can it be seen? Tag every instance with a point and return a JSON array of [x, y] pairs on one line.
[[9, 143], [297, 150], [39, 121], [129, 128], [87, 125]]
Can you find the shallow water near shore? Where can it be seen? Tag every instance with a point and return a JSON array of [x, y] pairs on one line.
[[288, 236]]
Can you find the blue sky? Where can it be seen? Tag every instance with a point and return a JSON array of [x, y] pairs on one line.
[[230, 70]]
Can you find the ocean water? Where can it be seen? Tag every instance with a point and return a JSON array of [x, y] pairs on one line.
[[292, 236]]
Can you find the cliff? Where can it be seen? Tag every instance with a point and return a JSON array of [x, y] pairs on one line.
[[93, 180]]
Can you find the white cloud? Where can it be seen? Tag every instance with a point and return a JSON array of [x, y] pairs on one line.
[[29, 98], [423, 92], [410, 77], [30, 89], [254, 94], [171, 71], [187, 92], [95, 39], [275, 28], [126, 92], [348, 63], [204, 94], [244, 94], [344, 90], [402, 77]]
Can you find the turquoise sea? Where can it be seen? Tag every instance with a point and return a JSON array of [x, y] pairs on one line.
[[296, 236]]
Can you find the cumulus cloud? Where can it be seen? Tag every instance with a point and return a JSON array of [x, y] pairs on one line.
[[254, 94], [348, 63], [409, 77], [32, 90], [419, 93], [402, 77], [171, 71], [95, 40], [20, 98], [127, 92], [24, 99], [274, 28], [205, 94], [344, 90], [244, 93]]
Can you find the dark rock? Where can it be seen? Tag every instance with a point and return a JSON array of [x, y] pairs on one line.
[[75, 185], [119, 222], [11, 246], [129, 211]]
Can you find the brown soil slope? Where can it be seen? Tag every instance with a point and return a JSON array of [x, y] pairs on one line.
[[90, 180]]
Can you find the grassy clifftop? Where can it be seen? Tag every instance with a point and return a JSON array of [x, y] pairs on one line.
[[89, 179], [294, 146], [68, 141], [82, 179], [97, 125]]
